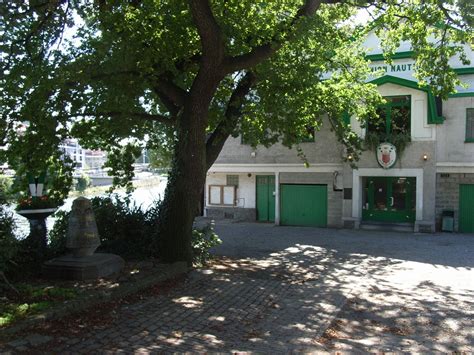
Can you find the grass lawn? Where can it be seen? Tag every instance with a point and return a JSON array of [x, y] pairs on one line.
[[39, 296], [32, 299]]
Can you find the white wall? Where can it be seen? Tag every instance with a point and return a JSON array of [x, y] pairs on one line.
[[451, 145], [245, 192], [420, 129]]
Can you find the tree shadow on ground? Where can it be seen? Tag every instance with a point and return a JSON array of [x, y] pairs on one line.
[[427, 318], [243, 240], [284, 302], [282, 287]]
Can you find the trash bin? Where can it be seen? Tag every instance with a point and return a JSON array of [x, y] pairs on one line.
[[447, 221]]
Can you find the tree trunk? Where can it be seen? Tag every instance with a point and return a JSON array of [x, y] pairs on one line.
[[188, 174], [182, 196]]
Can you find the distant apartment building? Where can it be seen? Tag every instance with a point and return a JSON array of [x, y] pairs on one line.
[[85, 159], [74, 151], [94, 160]]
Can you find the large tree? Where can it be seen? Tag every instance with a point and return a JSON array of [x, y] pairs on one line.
[[119, 73]]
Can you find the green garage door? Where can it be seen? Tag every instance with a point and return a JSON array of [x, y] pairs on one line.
[[304, 205], [466, 208]]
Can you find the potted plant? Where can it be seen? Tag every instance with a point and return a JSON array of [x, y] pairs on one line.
[[36, 208]]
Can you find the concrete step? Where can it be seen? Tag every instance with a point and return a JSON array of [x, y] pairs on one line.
[[394, 227]]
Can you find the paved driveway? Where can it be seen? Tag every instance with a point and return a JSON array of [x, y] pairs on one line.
[[404, 291], [282, 289]]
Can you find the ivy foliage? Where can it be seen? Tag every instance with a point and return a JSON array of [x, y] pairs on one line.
[[399, 140], [202, 241]]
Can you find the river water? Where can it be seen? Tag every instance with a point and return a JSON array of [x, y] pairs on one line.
[[142, 196]]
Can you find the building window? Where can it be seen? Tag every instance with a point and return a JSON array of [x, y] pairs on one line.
[[232, 180], [393, 117], [470, 125], [221, 195]]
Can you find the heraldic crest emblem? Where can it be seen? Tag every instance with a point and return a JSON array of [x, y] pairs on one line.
[[386, 155]]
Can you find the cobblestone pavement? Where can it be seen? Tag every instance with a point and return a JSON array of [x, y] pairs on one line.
[[280, 290], [410, 292]]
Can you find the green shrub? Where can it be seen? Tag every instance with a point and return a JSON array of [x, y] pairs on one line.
[[6, 193], [203, 240], [126, 230], [57, 235], [123, 228], [9, 245], [18, 258], [82, 183]]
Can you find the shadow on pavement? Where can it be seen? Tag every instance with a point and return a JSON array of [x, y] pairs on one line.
[[282, 289]]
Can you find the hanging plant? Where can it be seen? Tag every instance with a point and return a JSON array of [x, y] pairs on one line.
[[399, 140]]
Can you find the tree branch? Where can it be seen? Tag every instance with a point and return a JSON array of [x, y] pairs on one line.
[[170, 106], [265, 51], [173, 92], [216, 140], [208, 30], [169, 120]]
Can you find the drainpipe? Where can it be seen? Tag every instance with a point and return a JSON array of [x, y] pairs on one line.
[[277, 198]]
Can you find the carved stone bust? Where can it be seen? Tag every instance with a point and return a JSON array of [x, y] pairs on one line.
[[82, 235]]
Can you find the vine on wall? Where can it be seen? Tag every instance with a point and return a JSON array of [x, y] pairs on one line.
[[399, 140]]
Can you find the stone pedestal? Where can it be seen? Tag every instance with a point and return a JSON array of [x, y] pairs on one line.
[[38, 237], [94, 266]]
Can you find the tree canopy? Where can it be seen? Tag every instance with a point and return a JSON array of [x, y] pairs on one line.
[[124, 73]]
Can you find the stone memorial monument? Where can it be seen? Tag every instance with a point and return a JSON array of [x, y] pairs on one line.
[[82, 236], [82, 240]]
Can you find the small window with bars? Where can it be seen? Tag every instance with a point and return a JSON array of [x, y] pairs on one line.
[[470, 125], [232, 180]]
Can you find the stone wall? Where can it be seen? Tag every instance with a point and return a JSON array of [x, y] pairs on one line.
[[447, 195], [451, 135], [235, 213], [324, 149]]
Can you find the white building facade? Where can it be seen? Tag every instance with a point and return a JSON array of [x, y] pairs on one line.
[[433, 176]]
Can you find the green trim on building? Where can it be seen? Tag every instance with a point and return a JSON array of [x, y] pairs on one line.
[[462, 94], [463, 71], [398, 55], [433, 117]]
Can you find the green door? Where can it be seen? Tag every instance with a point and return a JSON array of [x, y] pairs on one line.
[[304, 205], [466, 208], [389, 199], [266, 198]]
